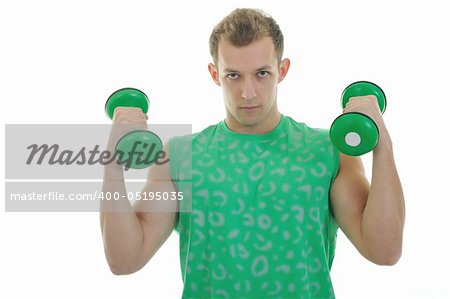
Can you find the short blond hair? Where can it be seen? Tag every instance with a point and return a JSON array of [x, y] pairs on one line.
[[243, 26]]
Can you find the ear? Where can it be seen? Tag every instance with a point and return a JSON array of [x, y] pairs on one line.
[[214, 73], [284, 68]]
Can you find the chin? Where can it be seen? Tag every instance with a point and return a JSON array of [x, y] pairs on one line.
[[249, 122]]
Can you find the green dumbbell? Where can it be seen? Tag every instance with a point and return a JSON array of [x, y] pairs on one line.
[[354, 133], [140, 148]]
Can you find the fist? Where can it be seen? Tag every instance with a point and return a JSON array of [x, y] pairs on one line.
[[130, 115], [367, 105], [126, 119]]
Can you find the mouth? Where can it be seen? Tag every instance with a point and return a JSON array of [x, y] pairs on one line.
[[248, 108]]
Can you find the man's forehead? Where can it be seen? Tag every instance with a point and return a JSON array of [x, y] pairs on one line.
[[261, 68], [258, 54]]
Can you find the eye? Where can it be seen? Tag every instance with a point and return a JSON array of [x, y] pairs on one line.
[[263, 74], [232, 76]]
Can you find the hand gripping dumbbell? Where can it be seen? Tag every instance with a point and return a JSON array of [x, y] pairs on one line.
[[354, 133], [135, 149]]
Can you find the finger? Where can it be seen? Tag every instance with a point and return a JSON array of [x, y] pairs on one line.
[[126, 108], [128, 111], [129, 115]]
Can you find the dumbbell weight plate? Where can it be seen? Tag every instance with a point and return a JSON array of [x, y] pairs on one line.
[[126, 97], [354, 134], [147, 147]]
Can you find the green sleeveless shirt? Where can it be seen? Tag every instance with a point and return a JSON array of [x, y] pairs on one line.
[[261, 224]]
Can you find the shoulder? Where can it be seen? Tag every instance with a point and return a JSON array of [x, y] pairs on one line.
[[294, 126], [183, 148], [179, 142], [313, 142]]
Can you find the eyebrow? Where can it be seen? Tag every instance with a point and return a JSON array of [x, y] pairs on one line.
[[265, 67]]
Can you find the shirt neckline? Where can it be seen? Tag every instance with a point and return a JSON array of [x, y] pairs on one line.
[[254, 137]]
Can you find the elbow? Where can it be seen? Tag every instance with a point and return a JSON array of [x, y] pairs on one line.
[[121, 269], [387, 261], [385, 251], [390, 258], [118, 270]]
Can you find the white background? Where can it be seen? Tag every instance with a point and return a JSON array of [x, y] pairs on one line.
[[61, 60]]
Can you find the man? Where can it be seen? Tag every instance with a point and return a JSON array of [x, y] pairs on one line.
[[268, 193]]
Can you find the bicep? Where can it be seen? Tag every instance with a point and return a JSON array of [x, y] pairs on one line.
[[349, 193], [157, 217]]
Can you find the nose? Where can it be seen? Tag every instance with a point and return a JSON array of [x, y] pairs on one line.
[[248, 90]]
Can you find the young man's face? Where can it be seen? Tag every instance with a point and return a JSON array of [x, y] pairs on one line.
[[249, 76]]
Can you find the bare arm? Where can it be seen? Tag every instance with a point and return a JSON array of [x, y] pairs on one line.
[[372, 216], [131, 236]]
